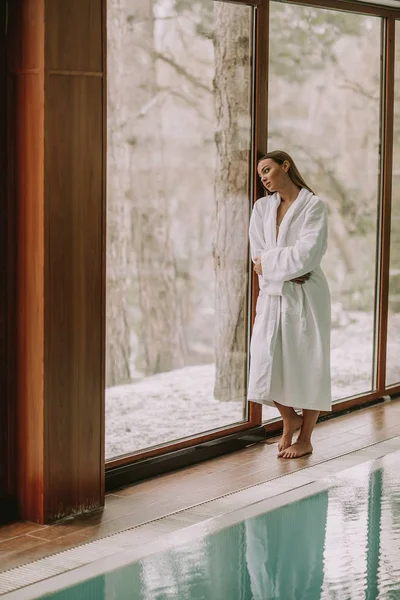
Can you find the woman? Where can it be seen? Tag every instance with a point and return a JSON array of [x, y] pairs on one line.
[[290, 344]]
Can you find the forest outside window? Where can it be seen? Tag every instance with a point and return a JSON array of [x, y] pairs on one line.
[[180, 157], [178, 198], [325, 110]]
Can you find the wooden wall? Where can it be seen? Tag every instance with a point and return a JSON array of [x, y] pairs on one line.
[[3, 262], [74, 220], [57, 145]]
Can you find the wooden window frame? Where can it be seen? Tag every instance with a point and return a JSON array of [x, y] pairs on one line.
[[259, 141], [260, 124]]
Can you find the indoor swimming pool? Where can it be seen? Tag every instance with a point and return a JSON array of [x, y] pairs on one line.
[[336, 539]]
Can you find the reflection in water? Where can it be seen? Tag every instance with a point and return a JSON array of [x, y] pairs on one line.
[[361, 557], [342, 544], [285, 550], [374, 533]]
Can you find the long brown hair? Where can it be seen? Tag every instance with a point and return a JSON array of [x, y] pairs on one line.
[[280, 157]]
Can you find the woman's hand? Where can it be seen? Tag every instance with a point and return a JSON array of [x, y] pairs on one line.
[[302, 279], [257, 265], [258, 269]]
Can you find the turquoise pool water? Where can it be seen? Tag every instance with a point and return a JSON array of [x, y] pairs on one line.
[[339, 544]]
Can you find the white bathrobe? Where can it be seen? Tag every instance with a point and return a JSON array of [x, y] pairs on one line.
[[285, 550], [290, 343]]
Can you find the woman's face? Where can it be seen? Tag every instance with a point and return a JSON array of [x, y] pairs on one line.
[[273, 175]]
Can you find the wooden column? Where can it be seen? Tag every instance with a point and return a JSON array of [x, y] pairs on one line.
[[3, 267], [7, 329], [57, 145]]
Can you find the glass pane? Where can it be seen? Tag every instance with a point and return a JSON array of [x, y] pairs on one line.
[[179, 140], [324, 110], [393, 342]]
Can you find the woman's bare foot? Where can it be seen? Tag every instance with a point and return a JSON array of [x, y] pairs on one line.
[[296, 450], [289, 427]]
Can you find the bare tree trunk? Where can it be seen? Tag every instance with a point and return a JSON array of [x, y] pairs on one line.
[[231, 90], [118, 209], [141, 274], [162, 336]]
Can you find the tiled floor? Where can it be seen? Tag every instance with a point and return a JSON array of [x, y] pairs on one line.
[[151, 500]]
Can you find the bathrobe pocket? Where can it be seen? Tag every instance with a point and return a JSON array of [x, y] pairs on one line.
[[292, 299]]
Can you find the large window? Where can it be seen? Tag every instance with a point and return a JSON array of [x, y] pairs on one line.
[[324, 110], [192, 100], [179, 147]]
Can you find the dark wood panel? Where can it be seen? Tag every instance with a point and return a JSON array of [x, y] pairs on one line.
[[4, 400], [8, 326], [58, 250], [28, 178], [25, 35], [74, 396], [73, 42], [104, 236], [24, 249]]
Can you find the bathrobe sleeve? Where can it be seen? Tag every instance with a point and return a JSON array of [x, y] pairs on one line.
[[257, 243], [288, 262]]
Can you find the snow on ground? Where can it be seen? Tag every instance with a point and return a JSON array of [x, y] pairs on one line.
[[165, 407], [180, 403]]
